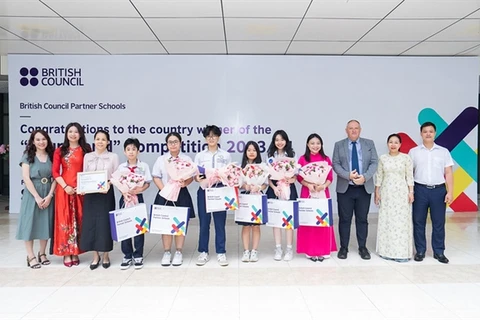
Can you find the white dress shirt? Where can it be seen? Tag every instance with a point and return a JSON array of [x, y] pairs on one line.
[[160, 171], [429, 164], [140, 168], [209, 160]]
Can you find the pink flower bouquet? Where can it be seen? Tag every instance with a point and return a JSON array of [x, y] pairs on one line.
[[281, 170], [211, 177], [4, 151], [231, 175], [126, 181], [316, 172], [178, 169], [255, 175]]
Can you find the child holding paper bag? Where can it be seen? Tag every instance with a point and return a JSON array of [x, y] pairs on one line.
[[208, 160], [281, 147], [132, 178], [255, 181], [172, 173], [315, 176]]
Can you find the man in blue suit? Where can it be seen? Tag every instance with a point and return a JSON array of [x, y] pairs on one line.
[[355, 162]]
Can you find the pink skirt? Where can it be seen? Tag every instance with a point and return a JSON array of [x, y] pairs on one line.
[[316, 241]]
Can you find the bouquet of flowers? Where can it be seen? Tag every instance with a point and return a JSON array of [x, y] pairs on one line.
[[316, 172], [230, 175], [255, 175], [125, 181], [178, 169], [4, 151], [211, 177], [281, 170]]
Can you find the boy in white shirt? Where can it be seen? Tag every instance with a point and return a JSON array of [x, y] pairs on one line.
[[212, 157], [134, 255]]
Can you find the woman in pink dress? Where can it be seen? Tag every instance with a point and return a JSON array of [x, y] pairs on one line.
[[315, 242]]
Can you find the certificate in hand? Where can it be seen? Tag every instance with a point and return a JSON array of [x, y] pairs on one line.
[[92, 182]]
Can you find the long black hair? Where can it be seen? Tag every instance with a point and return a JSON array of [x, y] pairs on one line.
[[82, 142], [31, 150], [307, 150], [258, 159], [288, 144]]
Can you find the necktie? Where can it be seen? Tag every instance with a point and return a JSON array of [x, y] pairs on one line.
[[355, 165], [132, 169]]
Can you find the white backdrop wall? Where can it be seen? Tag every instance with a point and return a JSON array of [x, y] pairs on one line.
[[252, 96]]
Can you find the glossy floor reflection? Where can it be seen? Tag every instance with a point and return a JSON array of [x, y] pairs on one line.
[[299, 289]]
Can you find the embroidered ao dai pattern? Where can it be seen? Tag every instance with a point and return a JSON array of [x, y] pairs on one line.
[[395, 226], [68, 208]]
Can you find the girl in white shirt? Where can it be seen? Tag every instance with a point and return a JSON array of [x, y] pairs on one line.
[[160, 178]]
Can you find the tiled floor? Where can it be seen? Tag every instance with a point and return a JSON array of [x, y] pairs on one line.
[[299, 289]]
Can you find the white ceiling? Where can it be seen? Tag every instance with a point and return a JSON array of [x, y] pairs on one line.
[[311, 27]]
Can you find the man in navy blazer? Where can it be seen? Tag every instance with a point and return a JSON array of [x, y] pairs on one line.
[[355, 162]]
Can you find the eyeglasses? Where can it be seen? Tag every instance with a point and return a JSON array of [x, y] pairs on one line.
[[174, 142], [211, 137]]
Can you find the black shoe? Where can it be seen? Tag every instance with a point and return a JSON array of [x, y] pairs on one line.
[[342, 253], [441, 258], [94, 266], [419, 256], [364, 254], [106, 265]]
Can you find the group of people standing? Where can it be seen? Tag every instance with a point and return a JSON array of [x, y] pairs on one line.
[[78, 223]]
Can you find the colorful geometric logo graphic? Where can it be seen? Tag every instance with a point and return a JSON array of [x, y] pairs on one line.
[[323, 219], [256, 215], [178, 227], [287, 221], [101, 186], [231, 204], [142, 225], [452, 136]]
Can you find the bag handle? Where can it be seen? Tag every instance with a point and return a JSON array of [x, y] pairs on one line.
[[171, 202]]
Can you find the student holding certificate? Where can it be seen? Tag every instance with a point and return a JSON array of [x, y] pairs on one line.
[[96, 235]]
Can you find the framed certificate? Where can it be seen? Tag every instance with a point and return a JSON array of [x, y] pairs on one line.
[[92, 182]]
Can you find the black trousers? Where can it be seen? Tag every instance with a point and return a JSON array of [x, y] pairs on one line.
[[355, 201]]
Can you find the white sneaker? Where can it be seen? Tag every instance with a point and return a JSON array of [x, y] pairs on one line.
[[222, 259], [202, 259], [167, 257], [246, 256], [254, 256], [288, 254], [177, 259], [278, 254], [126, 263], [138, 263]]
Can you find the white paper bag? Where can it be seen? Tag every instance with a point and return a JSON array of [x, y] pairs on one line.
[[169, 220], [221, 199], [129, 222], [282, 213], [315, 212], [252, 209]]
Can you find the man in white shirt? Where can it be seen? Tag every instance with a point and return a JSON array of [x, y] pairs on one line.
[[433, 175]]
